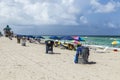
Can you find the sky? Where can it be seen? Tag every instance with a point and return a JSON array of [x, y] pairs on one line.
[[61, 17]]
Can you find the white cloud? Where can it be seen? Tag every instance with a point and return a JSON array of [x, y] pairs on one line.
[[38, 12], [111, 25], [104, 8], [83, 20]]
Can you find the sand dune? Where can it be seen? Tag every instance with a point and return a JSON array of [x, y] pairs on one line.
[[31, 63]]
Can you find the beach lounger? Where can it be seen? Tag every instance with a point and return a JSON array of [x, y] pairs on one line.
[[63, 46]]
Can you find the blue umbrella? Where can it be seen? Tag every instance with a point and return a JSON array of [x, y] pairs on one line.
[[54, 37], [67, 38], [40, 37], [29, 36]]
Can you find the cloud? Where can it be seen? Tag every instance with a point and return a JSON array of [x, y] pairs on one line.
[[104, 8], [38, 12], [111, 25], [83, 20]]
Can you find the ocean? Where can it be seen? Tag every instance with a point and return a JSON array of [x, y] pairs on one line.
[[93, 40], [102, 41], [99, 40]]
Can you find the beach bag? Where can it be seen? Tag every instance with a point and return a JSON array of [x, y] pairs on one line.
[[84, 55]]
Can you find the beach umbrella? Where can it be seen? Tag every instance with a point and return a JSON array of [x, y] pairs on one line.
[[67, 38], [33, 36], [29, 36], [75, 42], [115, 42], [19, 35], [78, 38], [40, 37], [54, 37]]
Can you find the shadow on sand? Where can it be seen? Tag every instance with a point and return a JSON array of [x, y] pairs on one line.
[[91, 62], [56, 53], [53, 53]]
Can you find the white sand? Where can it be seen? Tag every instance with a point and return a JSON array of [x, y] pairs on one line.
[[31, 63]]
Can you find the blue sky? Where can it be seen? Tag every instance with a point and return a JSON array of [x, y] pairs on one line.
[[58, 17]]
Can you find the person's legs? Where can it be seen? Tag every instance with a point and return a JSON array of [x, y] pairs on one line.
[[76, 58]]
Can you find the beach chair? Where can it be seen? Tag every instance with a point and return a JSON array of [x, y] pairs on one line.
[[102, 51], [64, 46]]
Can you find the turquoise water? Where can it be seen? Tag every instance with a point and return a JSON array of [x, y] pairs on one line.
[[102, 41], [95, 40]]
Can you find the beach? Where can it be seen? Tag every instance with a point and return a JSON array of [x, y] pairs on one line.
[[32, 63]]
